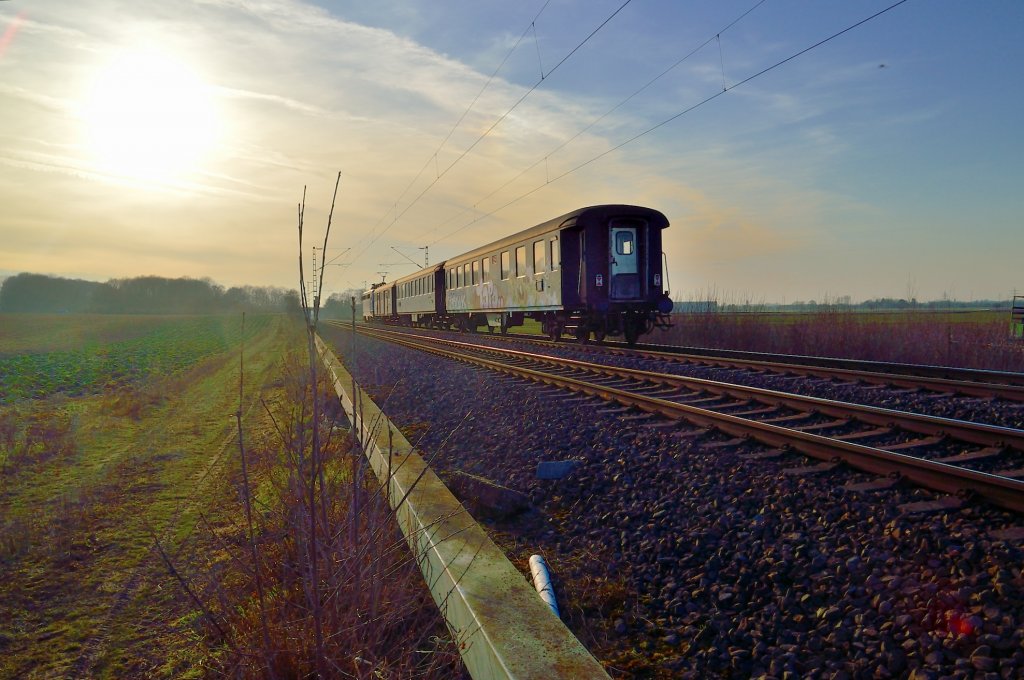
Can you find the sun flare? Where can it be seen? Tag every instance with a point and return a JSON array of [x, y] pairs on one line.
[[148, 116]]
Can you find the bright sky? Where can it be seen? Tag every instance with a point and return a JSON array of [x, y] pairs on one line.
[[175, 139]]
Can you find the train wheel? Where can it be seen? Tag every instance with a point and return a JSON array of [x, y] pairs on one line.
[[582, 335], [631, 330], [599, 335], [504, 324], [550, 328]]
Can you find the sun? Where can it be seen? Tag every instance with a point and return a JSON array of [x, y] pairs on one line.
[[148, 116]]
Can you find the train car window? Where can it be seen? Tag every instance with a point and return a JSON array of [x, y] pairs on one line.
[[485, 272], [624, 242], [505, 268], [554, 259], [520, 261], [538, 257]]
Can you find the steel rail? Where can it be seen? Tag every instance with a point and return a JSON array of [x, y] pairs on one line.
[[964, 381], [943, 379], [881, 367], [972, 432], [1003, 491]]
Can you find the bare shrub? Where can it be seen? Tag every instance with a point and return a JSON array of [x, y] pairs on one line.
[[323, 584], [908, 337], [376, 616]]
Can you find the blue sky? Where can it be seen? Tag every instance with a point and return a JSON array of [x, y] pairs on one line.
[[176, 139]]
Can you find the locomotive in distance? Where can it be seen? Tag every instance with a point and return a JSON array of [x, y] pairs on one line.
[[596, 271]]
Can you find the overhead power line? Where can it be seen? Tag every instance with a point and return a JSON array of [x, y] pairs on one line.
[[600, 118], [673, 118], [433, 156], [502, 117]]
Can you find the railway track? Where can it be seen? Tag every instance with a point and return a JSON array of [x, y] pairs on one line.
[[926, 450], [939, 380]]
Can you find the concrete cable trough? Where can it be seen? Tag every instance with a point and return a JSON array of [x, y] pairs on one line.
[[502, 628]]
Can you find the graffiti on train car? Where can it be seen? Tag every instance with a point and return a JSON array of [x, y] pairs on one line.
[[523, 293]]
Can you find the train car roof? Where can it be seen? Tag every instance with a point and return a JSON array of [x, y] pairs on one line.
[[415, 275], [562, 222]]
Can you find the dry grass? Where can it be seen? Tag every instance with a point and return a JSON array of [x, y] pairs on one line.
[[34, 435], [970, 341], [368, 600]]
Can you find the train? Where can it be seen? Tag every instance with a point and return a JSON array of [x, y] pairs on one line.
[[592, 273]]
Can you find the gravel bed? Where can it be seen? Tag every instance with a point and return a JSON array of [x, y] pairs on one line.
[[998, 412], [678, 559]]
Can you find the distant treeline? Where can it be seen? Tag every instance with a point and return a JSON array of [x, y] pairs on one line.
[[141, 295]]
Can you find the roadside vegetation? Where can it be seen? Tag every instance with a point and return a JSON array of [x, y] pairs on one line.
[[126, 549]]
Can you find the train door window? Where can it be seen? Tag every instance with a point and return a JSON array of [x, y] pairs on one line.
[[505, 266], [538, 257], [476, 271], [624, 242], [520, 261], [485, 270], [553, 259]]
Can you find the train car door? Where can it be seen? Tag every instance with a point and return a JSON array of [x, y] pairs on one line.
[[625, 264]]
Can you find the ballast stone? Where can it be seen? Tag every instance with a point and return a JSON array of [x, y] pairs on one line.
[[556, 469]]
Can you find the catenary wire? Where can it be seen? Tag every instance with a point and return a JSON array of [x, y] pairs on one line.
[[600, 118], [497, 122], [672, 118], [433, 156]]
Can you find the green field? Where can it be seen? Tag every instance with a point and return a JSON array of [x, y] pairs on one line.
[[121, 509], [77, 355], [115, 432]]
